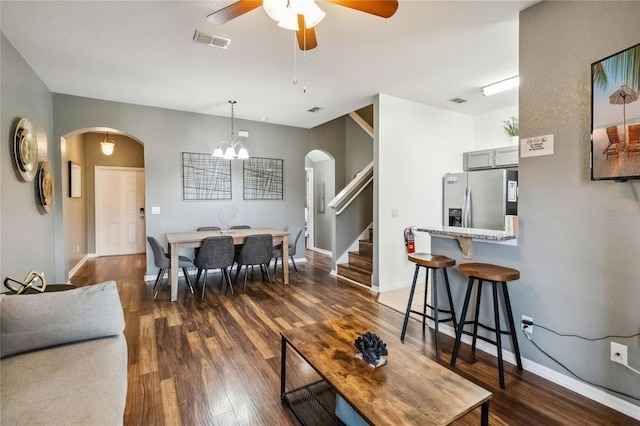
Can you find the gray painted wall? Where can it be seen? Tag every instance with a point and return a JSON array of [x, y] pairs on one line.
[[359, 149], [324, 177], [579, 240], [27, 234], [167, 133], [75, 209]]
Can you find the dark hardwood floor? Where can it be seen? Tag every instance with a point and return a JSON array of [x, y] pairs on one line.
[[217, 361]]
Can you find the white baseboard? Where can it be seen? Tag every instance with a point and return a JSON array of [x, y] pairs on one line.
[[78, 266], [567, 382], [319, 250], [153, 277]]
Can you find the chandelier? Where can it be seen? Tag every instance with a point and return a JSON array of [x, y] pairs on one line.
[[230, 153]]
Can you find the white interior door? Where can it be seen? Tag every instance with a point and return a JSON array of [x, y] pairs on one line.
[[120, 221], [309, 209]]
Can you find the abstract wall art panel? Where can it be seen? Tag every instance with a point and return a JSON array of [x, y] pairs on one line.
[[205, 177], [263, 179]]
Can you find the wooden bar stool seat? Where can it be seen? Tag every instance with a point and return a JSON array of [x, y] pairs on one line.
[[432, 262], [494, 274]]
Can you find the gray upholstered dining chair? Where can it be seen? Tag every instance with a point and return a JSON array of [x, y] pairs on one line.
[[195, 250], [216, 252], [294, 235], [208, 228], [256, 250], [163, 262], [239, 246]]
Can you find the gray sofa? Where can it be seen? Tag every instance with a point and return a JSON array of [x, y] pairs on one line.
[[63, 357]]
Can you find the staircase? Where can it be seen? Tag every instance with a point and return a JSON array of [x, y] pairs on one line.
[[360, 266]]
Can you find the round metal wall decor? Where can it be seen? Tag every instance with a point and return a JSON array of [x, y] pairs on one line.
[[45, 186], [25, 150]]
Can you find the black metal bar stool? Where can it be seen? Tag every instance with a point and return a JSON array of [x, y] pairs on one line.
[[494, 274], [432, 262]]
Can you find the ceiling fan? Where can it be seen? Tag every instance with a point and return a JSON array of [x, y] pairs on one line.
[[301, 15]]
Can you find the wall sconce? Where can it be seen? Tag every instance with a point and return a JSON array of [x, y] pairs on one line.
[[107, 145]]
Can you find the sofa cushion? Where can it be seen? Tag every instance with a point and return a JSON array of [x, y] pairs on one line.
[[78, 384], [36, 321]]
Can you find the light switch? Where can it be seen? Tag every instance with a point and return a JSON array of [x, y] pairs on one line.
[[155, 210], [394, 212]]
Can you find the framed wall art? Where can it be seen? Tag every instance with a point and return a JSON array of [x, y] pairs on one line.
[[615, 116], [263, 179], [205, 177], [75, 180]]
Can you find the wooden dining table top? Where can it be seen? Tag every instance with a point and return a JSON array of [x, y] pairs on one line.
[[237, 234]]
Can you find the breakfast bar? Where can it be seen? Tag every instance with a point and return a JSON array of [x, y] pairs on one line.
[[466, 236]]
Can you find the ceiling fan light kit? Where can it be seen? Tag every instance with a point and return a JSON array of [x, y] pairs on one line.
[[286, 12], [301, 15]]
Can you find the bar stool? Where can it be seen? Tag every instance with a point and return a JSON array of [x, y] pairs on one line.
[[485, 272], [432, 262]]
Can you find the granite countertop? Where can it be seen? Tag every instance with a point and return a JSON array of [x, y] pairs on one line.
[[454, 231]]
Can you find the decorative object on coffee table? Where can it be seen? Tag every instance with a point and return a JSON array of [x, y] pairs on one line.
[[30, 282], [372, 349]]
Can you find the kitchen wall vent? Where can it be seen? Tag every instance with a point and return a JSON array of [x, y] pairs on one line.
[[211, 39]]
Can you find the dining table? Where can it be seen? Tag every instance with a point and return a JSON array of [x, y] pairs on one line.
[[180, 240]]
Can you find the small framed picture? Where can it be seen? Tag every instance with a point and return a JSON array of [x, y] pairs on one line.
[[75, 180]]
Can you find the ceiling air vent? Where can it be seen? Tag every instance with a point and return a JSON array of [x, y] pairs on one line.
[[211, 39], [314, 109], [458, 100]]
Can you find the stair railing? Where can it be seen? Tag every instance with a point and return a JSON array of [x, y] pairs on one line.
[[351, 191]]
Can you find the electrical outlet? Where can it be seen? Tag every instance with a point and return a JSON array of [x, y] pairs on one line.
[[526, 327], [619, 353]]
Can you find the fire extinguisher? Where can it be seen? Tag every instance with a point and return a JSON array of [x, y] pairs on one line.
[[409, 240]]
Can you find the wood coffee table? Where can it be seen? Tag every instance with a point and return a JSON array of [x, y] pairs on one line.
[[409, 389]]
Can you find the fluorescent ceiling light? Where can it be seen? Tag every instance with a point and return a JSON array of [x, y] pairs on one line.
[[501, 86]]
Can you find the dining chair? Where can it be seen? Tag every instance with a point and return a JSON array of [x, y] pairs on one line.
[[256, 250], [239, 246], [162, 261], [294, 235], [216, 253], [195, 250]]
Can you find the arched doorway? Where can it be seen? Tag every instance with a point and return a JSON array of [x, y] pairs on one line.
[[320, 189], [123, 169]]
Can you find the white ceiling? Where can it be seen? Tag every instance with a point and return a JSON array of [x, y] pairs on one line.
[[142, 52]]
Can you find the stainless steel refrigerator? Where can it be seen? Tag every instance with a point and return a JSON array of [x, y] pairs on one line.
[[480, 199]]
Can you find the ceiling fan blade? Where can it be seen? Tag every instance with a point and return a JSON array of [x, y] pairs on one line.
[[382, 8], [233, 11], [306, 36]]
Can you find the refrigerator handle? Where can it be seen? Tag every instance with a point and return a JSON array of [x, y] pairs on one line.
[[464, 209], [468, 209]]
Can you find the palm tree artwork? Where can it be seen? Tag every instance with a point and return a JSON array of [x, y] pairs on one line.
[[616, 81]]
